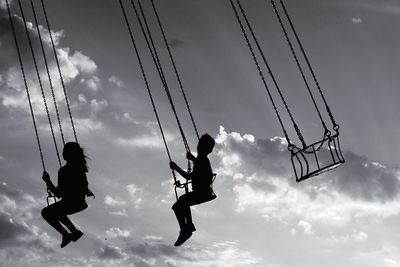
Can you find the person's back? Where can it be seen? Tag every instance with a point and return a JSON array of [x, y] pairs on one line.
[[202, 175], [72, 183]]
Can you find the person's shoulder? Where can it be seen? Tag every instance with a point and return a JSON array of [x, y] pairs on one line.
[[203, 160], [62, 169]]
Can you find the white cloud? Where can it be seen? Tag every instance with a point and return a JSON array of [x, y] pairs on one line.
[[116, 232], [83, 63], [307, 227], [114, 201], [151, 140], [116, 80], [3, 4], [93, 83], [359, 236], [356, 20], [98, 105], [133, 189]]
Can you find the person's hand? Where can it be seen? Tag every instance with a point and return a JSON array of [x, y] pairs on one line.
[[90, 194], [173, 165], [190, 156], [46, 177]]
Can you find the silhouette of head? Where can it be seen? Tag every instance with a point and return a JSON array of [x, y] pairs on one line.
[[75, 155], [205, 145]]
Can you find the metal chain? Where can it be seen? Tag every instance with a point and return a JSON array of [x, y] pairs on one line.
[[147, 84], [48, 72], [40, 81], [157, 62], [26, 86], [59, 72], [335, 125], [175, 68], [298, 63], [260, 71], [297, 129]]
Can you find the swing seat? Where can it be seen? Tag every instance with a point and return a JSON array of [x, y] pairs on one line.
[[317, 158], [185, 185]]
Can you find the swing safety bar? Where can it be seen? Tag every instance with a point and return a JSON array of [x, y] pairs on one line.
[[49, 197], [312, 160]]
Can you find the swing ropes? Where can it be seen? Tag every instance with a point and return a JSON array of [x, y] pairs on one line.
[[142, 19], [310, 159], [40, 81]]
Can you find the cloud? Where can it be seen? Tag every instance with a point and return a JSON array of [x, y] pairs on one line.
[[175, 42], [3, 4], [116, 232], [356, 20], [307, 227], [150, 140], [116, 81], [262, 180], [154, 252], [73, 64], [17, 211], [114, 201], [112, 253]]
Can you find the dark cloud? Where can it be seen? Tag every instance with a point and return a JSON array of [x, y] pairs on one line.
[[362, 179], [10, 231]]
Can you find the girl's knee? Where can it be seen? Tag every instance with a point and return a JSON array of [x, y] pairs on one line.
[[45, 212]]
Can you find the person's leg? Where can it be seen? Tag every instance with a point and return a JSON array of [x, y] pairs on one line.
[[51, 215], [68, 210], [178, 209], [182, 211], [75, 233]]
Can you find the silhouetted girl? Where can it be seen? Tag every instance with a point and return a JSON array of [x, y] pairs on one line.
[[202, 177], [72, 188]]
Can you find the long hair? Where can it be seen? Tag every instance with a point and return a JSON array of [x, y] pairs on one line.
[[75, 155]]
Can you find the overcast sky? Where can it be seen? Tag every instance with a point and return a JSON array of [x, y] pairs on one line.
[[261, 217]]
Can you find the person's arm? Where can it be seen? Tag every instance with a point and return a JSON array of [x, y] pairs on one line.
[[50, 186], [183, 173], [190, 156], [88, 193]]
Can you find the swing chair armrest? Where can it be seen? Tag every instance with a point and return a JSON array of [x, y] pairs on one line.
[[179, 184]]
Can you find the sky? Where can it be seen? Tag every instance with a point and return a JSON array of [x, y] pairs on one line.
[[261, 217]]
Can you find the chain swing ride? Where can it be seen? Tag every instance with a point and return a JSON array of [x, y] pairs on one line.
[[310, 159], [144, 26], [307, 161], [28, 94]]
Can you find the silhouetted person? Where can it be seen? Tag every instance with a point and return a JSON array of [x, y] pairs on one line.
[[72, 188], [202, 178]]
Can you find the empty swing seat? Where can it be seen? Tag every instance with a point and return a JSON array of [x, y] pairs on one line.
[[317, 158]]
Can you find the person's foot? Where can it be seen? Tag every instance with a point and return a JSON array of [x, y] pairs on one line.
[[66, 239], [190, 227], [183, 236], [76, 235]]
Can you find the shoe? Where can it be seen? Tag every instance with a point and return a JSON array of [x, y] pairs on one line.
[[76, 235], [183, 236], [190, 227], [66, 239]]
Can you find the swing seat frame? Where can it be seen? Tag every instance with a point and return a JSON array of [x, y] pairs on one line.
[[307, 161], [185, 185], [50, 198]]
